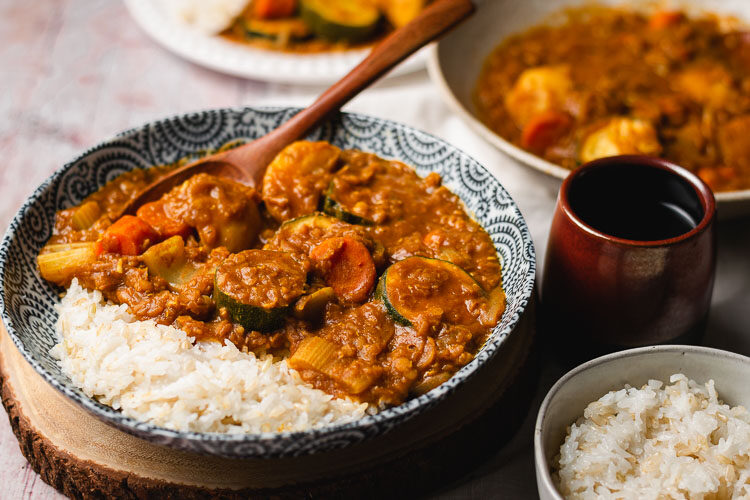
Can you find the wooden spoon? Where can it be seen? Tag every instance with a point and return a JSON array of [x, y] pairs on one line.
[[248, 163]]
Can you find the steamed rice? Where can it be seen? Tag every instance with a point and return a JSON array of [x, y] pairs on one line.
[[207, 16], [677, 441], [154, 373]]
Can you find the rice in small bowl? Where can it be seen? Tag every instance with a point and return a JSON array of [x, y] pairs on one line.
[[655, 422]]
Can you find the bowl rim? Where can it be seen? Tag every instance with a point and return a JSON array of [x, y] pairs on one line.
[[544, 478], [400, 413], [438, 77]]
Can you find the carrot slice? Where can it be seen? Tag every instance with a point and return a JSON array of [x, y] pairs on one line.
[[129, 235], [664, 19], [155, 216], [272, 9], [544, 129], [347, 267]]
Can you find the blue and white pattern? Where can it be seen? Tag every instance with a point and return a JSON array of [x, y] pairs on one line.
[[28, 302]]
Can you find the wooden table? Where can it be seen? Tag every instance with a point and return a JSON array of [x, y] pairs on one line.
[[78, 71]]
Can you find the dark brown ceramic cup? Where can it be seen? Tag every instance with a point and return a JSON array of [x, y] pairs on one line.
[[631, 256]]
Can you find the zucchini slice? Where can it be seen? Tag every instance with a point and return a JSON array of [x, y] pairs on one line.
[[281, 30], [419, 288], [400, 12], [307, 222], [257, 287], [348, 20], [331, 207]]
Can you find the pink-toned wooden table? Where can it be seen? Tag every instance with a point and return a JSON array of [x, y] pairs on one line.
[[75, 72]]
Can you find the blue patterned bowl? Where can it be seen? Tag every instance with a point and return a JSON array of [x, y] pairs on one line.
[[28, 302]]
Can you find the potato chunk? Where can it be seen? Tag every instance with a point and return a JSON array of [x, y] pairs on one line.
[[538, 90], [709, 84], [619, 137], [223, 212], [296, 177]]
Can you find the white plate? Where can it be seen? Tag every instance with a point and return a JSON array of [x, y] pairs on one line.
[[455, 63], [249, 62]]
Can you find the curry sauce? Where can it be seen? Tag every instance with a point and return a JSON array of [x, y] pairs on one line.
[[374, 283], [609, 81]]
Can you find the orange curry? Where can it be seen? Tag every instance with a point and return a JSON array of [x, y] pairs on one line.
[[373, 282], [312, 26], [612, 81]]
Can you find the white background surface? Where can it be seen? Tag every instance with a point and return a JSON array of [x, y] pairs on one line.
[[75, 72]]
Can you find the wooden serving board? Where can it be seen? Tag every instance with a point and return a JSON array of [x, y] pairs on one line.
[[82, 456]]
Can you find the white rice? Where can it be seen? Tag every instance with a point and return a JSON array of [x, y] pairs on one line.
[[207, 16], [677, 441], [155, 374]]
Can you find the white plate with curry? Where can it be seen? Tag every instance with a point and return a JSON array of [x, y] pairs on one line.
[[652, 92], [320, 64]]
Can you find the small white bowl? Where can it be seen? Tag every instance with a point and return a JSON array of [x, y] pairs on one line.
[[567, 399]]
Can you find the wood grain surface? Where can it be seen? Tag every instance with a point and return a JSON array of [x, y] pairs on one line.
[[75, 72]]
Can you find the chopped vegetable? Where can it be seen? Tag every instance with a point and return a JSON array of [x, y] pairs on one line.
[[129, 235], [621, 136], [312, 307], [347, 266], [279, 30], [154, 214], [348, 20], [222, 211], [61, 247], [335, 209], [240, 233], [168, 261], [237, 287], [314, 353], [295, 178], [707, 82], [400, 12], [306, 222], [495, 307], [317, 353], [60, 266], [545, 129], [429, 383], [537, 90], [272, 9], [419, 289], [86, 215], [665, 19]]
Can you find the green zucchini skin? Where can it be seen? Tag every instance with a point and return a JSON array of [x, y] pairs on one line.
[[324, 19], [250, 317], [244, 303], [400, 317], [331, 207], [296, 30], [382, 295]]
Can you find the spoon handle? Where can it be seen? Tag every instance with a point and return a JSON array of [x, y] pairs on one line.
[[435, 20]]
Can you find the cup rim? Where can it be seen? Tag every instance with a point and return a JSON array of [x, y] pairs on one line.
[[702, 191]]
